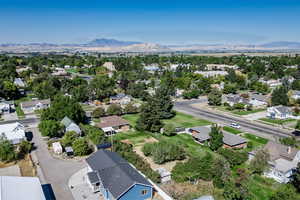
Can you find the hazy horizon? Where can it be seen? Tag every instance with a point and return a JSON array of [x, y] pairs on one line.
[[162, 22]]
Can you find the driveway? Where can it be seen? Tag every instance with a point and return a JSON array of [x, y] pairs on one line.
[[55, 172]]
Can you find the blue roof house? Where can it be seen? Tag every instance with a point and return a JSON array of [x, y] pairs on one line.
[[115, 178]]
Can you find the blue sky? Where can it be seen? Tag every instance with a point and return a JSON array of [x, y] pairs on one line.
[[155, 21]]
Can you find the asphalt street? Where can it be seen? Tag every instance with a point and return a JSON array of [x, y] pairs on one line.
[[186, 107]]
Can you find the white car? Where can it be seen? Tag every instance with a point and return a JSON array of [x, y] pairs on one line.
[[235, 125]]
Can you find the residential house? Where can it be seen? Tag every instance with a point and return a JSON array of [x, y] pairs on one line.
[[283, 161], [279, 112], [115, 178], [121, 98], [221, 67], [59, 72], [296, 95], [70, 125], [19, 82], [201, 134], [152, 68], [258, 100], [233, 99], [15, 188], [110, 66], [6, 106], [13, 132], [272, 83], [113, 124], [208, 74], [31, 106]]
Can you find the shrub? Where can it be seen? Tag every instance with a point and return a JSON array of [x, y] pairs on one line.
[[169, 130], [125, 150], [114, 109], [7, 151], [50, 128], [98, 112], [81, 147], [164, 151], [130, 109], [234, 157], [24, 148], [68, 138]]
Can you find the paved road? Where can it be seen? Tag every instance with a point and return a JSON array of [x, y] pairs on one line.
[[22, 121], [55, 172], [217, 117]]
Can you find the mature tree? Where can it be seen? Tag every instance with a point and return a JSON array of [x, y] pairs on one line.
[[215, 97], [279, 96], [63, 106], [102, 87], [81, 147], [169, 130], [260, 162], [95, 135], [190, 94], [69, 138], [286, 192], [234, 157], [50, 128], [216, 138], [7, 151], [223, 172], [114, 109], [98, 112], [9, 90], [163, 102], [296, 178], [80, 93], [289, 141], [130, 109], [149, 119], [230, 88], [24, 148]]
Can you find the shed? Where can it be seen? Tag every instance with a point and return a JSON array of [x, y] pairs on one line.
[[57, 148], [165, 175], [69, 151]]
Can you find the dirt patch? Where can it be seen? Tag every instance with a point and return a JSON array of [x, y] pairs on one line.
[[8, 164], [27, 167], [168, 166], [189, 190]]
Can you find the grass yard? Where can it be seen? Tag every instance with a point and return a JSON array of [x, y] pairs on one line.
[[247, 112], [262, 188], [180, 120], [276, 121], [86, 107], [186, 121], [20, 113], [231, 130], [135, 137]]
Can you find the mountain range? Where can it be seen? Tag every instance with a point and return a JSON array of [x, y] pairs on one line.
[[113, 45]]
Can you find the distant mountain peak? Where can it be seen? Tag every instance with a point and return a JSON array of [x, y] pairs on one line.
[[101, 42], [280, 44]]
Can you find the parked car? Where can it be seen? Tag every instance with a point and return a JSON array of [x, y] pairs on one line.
[[235, 125]]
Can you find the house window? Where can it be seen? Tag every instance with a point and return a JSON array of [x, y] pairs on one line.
[[144, 192]]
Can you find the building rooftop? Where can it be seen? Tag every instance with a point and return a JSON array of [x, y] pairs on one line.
[[32, 103], [115, 173], [17, 188], [111, 121]]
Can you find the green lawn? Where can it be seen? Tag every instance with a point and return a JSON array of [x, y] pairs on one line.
[[186, 121], [20, 112], [277, 121], [180, 120], [231, 130], [135, 137], [247, 112]]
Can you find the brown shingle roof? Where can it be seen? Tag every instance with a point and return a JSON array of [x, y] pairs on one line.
[[277, 151], [112, 121]]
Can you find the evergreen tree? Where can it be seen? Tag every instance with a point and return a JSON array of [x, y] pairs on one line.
[[279, 96], [296, 178], [215, 97], [216, 138]]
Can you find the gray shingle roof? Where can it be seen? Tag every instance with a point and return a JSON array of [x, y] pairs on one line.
[[283, 109], [277, 151], [228, 138], [116, 174], [66, 121]]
